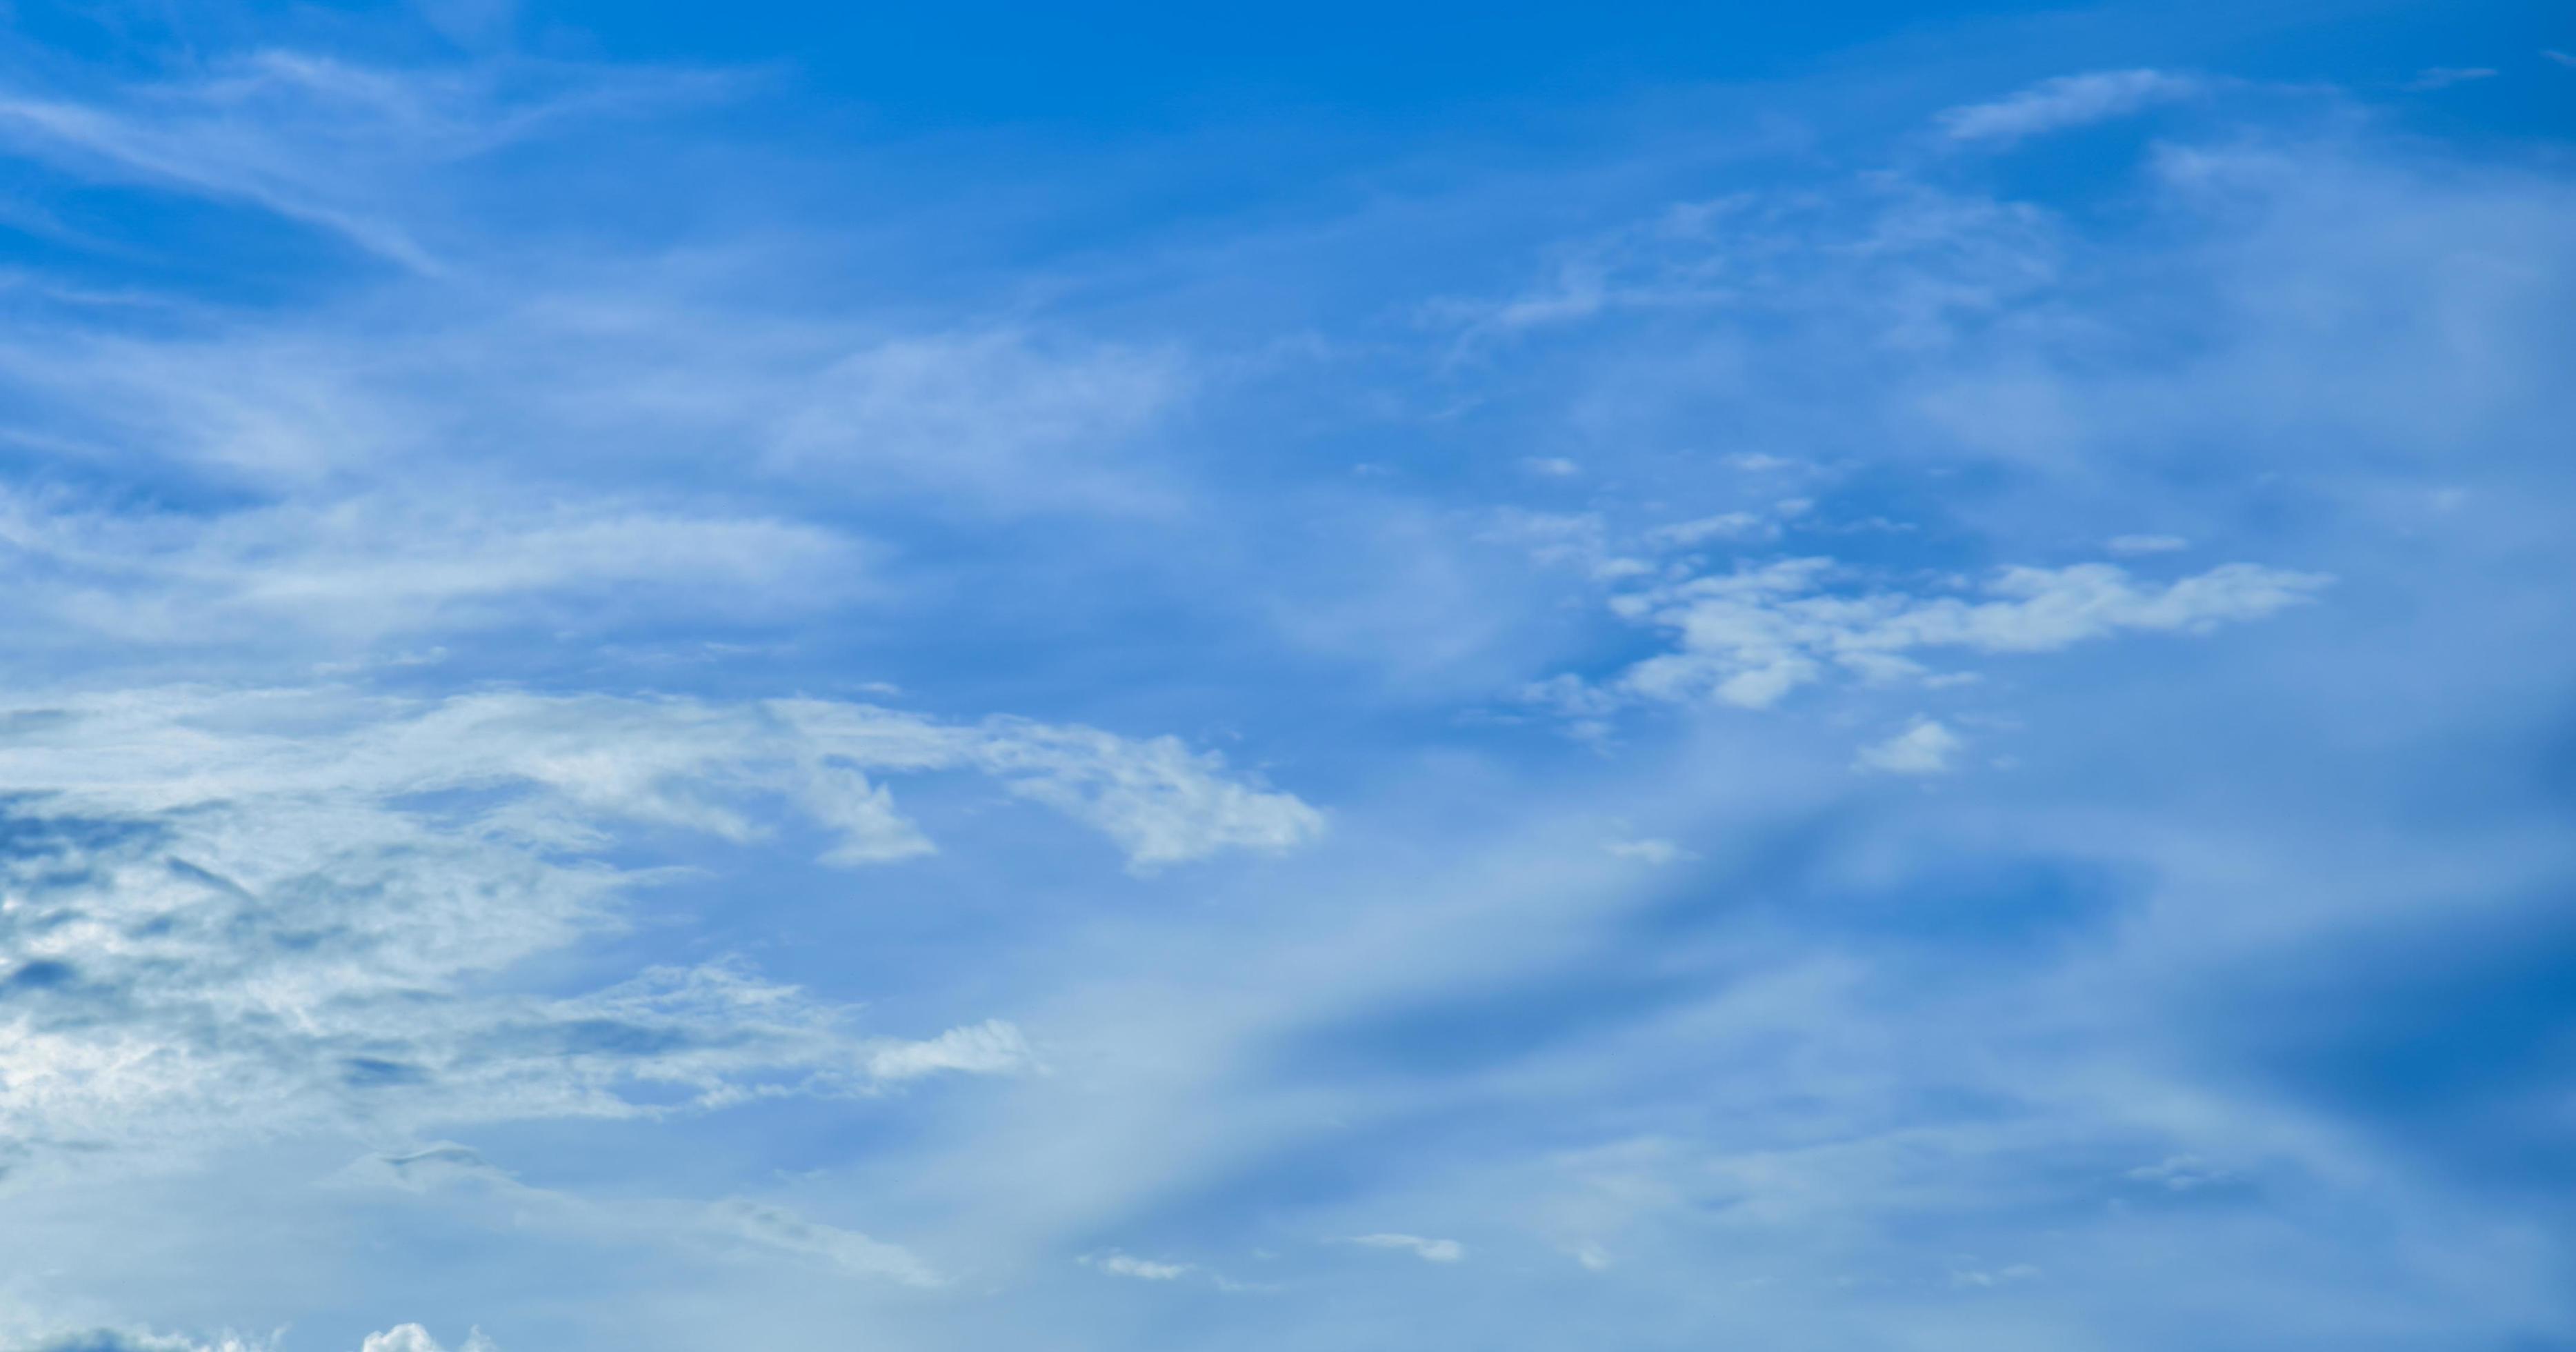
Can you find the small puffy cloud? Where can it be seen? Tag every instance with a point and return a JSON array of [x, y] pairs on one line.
[[2557, 57], [1926, 748], [1552, 466], [2146, 544], [402, 1338], [414, 1338], [2067, 101], [989, 1048], [1428, 1250]]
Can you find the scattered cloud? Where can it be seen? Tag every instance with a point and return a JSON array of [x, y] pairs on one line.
[[988, 1048], [1118, 1264], [2066, 101], [1648, 851], [296, 897], [1926, 748], [2443, 77], [997, 419], [1428, 1250], [114, 1340], [1985, 1278], [414, 1338], [319, 141], [365, 568], [1723, 526], [2180, 1173], [1750, 637], [778, 1230], [739, 1228], [242, 917]]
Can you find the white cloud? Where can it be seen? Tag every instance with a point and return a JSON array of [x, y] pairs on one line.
[[297, 899], [780, 1230], [1750, 637], [335, 146], [738, 1228], [362, 568], [2180, 1173], [2067, 101], [996, 418], [414, 1338], [2131, 545], [1650, 851], [1119, 1264], [1926, 748], [1723, 526], [989, 1048], [1984, 1278], [2443, 77], [115, 1340], [1553, 467], [1428, 1250]]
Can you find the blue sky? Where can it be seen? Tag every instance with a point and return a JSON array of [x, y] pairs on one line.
[[1390, 677]]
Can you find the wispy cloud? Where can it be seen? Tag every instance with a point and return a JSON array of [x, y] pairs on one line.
[[2443, 77], [801, 1021], [2063, 102], [185, 821], [1428, 1250], [316, 140], [1118, 1264], [1752, 636]]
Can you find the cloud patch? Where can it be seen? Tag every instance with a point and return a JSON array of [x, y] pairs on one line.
[[1750, 637], [2064, 102], [1926, 748], [302, 898], [1428, 1250]]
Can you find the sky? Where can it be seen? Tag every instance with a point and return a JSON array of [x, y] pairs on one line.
[[975, 677]]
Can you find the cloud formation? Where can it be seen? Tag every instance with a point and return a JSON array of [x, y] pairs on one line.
[[2062, 102], [1752, 636], [1926, 748], [304, 897], [1428, 1250], [382, 429]]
